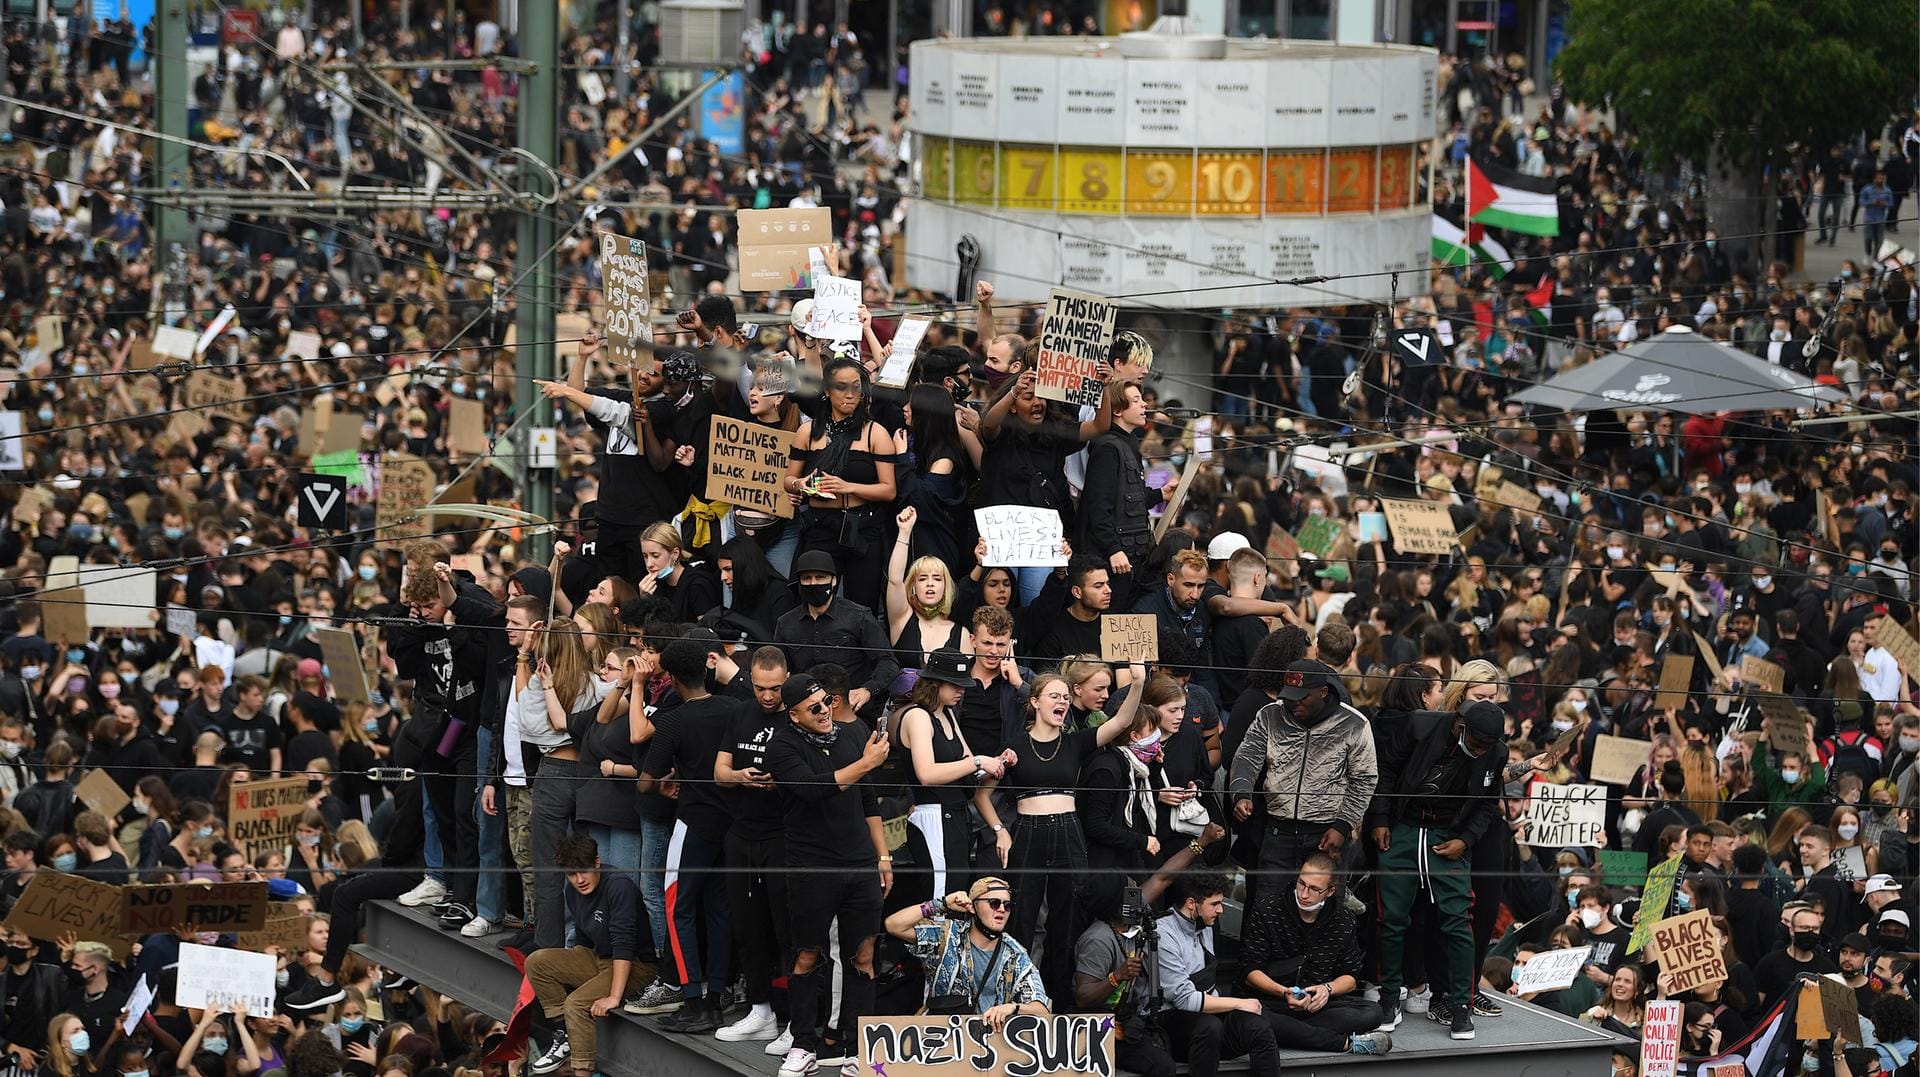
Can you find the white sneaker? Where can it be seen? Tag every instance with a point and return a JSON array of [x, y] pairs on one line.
[[800, 1062], [1419, 1001], [431, 891], [479, 926], [763, 1026], [782, 1043], [850, 1068]]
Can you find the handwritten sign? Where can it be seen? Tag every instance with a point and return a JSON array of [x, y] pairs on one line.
[[1660, 1038], [1563, 815], [1522, 501], [746, 464], [222, 979], [1839, 1008], [56, 904], [218, 395], [964, 1046], [1901, 645], [304, 344], [1129, 637], [1420, 526], [1317, 536], [222, 907], [1074, 340], [467, 429], [1762, 673], [174, 342], [99, 792], [773, 246], [286, 929], [51, 332], [1655, 896], [1018, 537], [1551, 971], [342, 657], [901, 352], [623, 274], [1617, 759], [1689, 951], [406, 485], [836, 309], [1786, 727], [1676, 673], [261, 814], [1623, 867]]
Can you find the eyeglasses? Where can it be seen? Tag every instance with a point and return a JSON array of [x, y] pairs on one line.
[[1315, 891], [819, 708], [997, 904]]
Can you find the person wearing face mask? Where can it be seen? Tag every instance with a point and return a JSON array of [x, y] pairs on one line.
[[1316, 753], [30, 995], [1440, 774], [93, 994], [827, 628], [16, 741], [210, 1035], [1302, 957], [1806, 952]]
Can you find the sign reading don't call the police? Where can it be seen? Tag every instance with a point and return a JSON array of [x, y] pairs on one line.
[[966, 1046]]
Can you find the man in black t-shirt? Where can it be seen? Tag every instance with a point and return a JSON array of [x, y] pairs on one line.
[[686, 741], [305, 713], [1077, 631], [1805, 953], [755, 843], [253, 739]]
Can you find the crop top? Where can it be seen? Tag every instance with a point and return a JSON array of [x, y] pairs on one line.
[[1041, 772]]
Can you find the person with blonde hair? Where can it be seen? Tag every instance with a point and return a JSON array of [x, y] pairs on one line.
[[1474, 682], [919, 601], [68, 1047], [552, 682], [690, 588]]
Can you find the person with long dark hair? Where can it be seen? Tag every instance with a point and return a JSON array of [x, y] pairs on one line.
[[1027, 458], [937, 469], [842, 468], [755, 593]]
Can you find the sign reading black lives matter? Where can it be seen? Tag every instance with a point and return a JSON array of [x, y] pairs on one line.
[[1073, 342], [623, 272]]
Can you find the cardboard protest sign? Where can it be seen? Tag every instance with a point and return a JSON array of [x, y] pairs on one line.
[[1839, 1008], [52, 333], [99, 792], [220, 978], [342, 657], [304, 344], [180, 621], [1676, 673], [1129, 637], [467, 427], [216, 395], [1026, 1045], [1565, 740], [1713, 661], [1172, 511], [1786, 726], [119, 596], [836, 309], [1553, 970], [746, 465], [1420, 526], [261, 814], [1018, 536], [1688, 950], [1073, 340], [1617, 759], [406, 485], [1901, 645], [286, 928], [56, 904], [901, 351], [63, 605], [223, 907], [1563, 815], [1762, 674], [1660, 1038], [1317, 535], [1522, 501], [629, 303], [1655, 896], [773, 246]]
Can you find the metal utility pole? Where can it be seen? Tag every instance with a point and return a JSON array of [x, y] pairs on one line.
[[533, 316], [171, 91], [623, 60]]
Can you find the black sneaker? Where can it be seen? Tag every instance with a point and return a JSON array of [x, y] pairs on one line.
[[1485, 1006], [1462, 1026], [1389, 1015], [453, 915], [313, 995], [1440, 1011], [521, 940], [699, 1016]]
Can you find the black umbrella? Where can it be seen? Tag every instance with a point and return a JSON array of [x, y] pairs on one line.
[[1680, 370]]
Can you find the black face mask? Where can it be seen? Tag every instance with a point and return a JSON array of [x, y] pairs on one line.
[[18, 955], [1806, 940], [816, 594], [986, 929]]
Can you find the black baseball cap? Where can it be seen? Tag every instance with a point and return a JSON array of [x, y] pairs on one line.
[[797, 690], [1304, 676], [1485, 720]]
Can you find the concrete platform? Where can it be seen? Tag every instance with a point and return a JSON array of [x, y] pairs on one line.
[[1524, 1042]]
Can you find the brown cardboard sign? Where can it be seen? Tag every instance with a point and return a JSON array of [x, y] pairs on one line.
[[406, 485], [57, 904], [1689, 951], [342, 655], [747, 464], [1129, 637], [261, 814], [1029, 1045], [217, 396], [1762, 674], [99, 792], [773, 247], [285, 928], [1420, 526], [1676, 673], [467, 430], [1073, 342], [1617, 759], [223, 907]]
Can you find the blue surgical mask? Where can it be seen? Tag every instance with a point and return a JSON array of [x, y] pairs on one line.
[[30, 673], [351, 1025], [80, 1042], [169, 707], [174, 534], [45, 415], [371, 725], [218, 1047], [83, 532], [135, 1073], [76, 654], [65, 862], [664, 573], [203, 832], [368, 572], [1682, 900], [286, 619]]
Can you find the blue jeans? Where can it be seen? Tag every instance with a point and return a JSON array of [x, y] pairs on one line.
[[654, 838], [784, 548], [431, 852], [1031, 579], [490, 895], [620, 850]]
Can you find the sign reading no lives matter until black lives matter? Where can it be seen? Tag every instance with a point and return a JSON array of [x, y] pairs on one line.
[[745, 465], [1073, 341]]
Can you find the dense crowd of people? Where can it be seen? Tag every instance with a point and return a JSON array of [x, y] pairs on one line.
[[758, 775]]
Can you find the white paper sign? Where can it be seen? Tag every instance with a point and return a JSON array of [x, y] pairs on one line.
[[1551, 971], [1018, 536], [222, 978], [1660, 1039], [13, 456], [119, 596], [301, 344], [1563, 815], [180, 621], [836, 309], [174, 342], [137, 1005], [906, 341]]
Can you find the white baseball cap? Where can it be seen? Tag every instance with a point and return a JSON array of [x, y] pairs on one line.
[[1895, 916], [1226, 544], [1882, 884], [802, 314]]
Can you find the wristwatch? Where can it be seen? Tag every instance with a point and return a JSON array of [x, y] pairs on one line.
[[997, 828]]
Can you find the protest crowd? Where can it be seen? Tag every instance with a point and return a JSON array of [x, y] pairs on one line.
[[981, 702]]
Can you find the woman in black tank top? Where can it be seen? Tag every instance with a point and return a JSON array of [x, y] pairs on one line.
[[1047, 851], [944, 767]]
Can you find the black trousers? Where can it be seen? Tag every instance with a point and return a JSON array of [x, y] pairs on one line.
[[1201, 1040], [1327, 1030], [853, 897], [762, 924], [349, 894], [1048, 856]]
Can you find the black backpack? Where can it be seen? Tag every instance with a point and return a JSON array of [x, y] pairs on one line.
[[1850, 756]]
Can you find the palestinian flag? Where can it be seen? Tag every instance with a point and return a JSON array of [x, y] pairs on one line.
[[1453, 246], [1538, 303], [1762, 1052], [1500, 198]]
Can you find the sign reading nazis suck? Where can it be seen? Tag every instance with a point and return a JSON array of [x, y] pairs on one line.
[[966, 1046]]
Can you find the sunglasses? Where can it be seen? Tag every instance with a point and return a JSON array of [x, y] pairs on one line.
[[819, 708], [997, 904]]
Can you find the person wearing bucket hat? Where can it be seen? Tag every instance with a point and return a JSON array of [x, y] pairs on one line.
[[945, 766], [1440, 776]]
